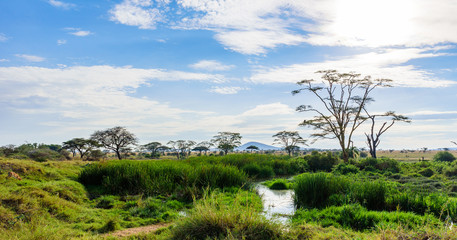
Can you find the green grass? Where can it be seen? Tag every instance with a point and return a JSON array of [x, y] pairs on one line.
[[152, 178]]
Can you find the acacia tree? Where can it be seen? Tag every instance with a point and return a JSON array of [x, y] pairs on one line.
[[153, 147], [343, 96], [227, 141], [203, 146], [117, 139], [83, 146], [252, 148], [181, 147], [289, 140], [373, 136]]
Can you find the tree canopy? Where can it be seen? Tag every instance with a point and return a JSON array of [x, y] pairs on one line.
[[227, 141], [343, 97], [117, 139]]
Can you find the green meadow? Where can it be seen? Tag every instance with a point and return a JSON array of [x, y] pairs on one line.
[[214, 197]]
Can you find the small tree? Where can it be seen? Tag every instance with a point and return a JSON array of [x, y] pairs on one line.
[[343, 96], [153, 147], [252, 148], [181, 147], [117, 139], [289, 140], [373, 136], [444, 156], [227, 141], [203, 146], [83, 146]]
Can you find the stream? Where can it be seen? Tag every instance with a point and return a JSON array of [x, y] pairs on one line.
[[277, 204]]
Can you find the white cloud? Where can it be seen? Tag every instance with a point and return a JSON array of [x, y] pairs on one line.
[[4, 60], [211, 65], [60, 4], [3, 37], [388, 63], [30, 58], [273, 109], [227, 90], [136, 13], [81, 33], [61, 42], [256, 26]]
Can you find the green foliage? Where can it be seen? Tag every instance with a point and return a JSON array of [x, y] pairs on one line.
[[256, 165], [320, 190], [213, 218], [321, 161], [427, 172], [359, 218], [444, 156], [379, 164], [160, 177], [344, 169], [277, 184]]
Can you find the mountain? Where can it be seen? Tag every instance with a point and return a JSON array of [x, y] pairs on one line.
[[261, 146]]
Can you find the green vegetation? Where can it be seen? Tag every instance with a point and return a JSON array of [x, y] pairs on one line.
[[444, 156], [211, 197]]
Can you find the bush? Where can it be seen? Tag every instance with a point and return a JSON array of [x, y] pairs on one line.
[[444, 156], [321, 161], [428, 172], [213, 218], [43, 154], [278, 184], [381, 164], [359, 218], [344, 169]]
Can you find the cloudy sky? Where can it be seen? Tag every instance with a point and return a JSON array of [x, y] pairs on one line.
[[187, 69]]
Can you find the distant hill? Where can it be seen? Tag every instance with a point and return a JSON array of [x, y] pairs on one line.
[[261, 146]]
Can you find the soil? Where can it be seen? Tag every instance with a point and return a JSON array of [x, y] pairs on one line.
[[138, 230]]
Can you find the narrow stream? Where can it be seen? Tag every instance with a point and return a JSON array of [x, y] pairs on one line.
[[277, 204]]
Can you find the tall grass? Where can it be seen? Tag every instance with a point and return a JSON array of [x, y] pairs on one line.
[[256, 165], [160, 177], [322, 189], [213, 218]]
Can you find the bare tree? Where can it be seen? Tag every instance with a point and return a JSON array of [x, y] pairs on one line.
[[227, 141], [343, 96], [373, 137], [117, 139], [289, 140]]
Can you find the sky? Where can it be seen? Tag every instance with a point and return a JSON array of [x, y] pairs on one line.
[[188, 69]]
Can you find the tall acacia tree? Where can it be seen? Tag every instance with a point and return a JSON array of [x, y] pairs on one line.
[[227, 141], [343, 96], [117, 139], [153, 147], [289, 140], [373, 136]]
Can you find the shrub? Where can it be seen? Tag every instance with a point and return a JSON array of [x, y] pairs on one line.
[[278, 184], [359, 218], [314, 190], [382, 164], [43, 154], [321, 161], [428, 172], [344, 169], [212, 218], [444, 156]]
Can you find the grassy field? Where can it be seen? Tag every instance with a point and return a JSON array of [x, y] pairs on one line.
[[211, 197]]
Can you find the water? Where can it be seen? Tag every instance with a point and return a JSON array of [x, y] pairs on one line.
[[277, 204]]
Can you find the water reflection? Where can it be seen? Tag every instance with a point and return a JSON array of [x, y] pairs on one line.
[[277, 204]]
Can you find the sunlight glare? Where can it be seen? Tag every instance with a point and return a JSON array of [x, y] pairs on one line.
[[373, 23]]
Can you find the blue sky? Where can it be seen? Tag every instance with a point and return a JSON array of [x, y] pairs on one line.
[[187, 69]]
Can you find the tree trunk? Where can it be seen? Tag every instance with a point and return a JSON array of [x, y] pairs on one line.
[[118, 154]]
